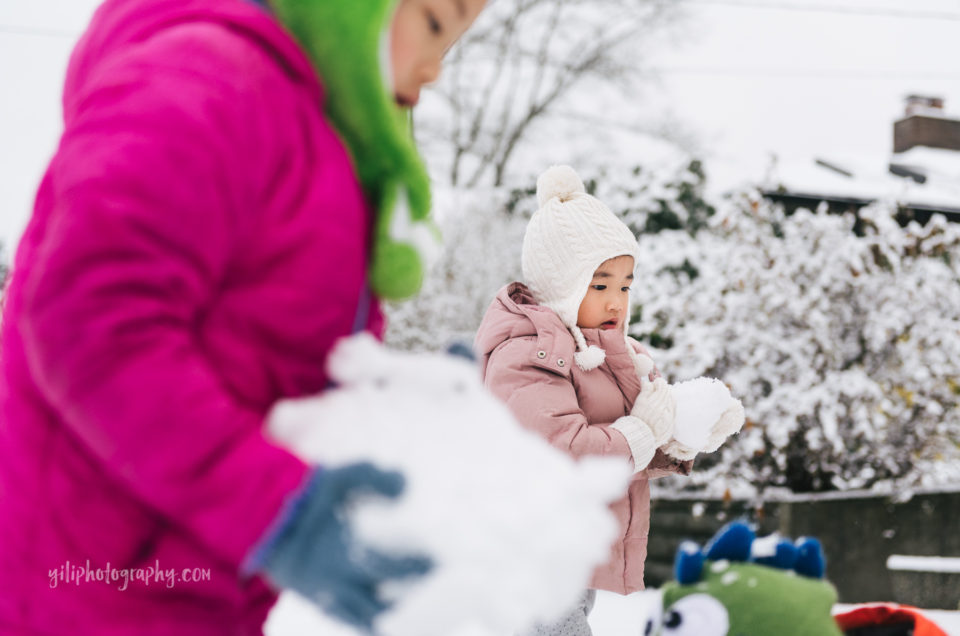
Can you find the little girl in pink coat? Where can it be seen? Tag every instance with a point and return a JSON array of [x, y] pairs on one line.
[[555, 349]]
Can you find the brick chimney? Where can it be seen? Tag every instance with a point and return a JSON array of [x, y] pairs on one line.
[[925, 124]]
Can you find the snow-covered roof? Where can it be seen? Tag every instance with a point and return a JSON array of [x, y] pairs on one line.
[[868, 178]]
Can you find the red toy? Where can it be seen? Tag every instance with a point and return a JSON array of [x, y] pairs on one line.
[[886, 619]]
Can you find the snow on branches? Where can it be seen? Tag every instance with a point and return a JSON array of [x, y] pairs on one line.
[[841, 337], [843, 347]]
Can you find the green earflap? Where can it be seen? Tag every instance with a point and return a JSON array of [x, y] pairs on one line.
[[348, 44]]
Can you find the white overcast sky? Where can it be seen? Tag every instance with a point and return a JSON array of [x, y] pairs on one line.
[[749, 77]]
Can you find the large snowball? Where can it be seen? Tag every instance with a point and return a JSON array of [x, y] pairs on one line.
[[700, 403], [514, 526]]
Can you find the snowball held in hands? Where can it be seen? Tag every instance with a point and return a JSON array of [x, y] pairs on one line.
[[501, 514], [706, 416]]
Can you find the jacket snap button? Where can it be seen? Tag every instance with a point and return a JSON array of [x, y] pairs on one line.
[[560, 362], [541, 354]]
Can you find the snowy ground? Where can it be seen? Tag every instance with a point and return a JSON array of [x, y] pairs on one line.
[[614, 615]]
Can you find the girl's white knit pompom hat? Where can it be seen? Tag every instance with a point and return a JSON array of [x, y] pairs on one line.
[[567, 239]]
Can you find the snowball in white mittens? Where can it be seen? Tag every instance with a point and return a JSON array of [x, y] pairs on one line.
[[700, 403], [503, 515]]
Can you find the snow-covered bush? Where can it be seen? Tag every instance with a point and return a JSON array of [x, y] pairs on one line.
[[482, 236], [845, 349], [843, 345], [649, 201]]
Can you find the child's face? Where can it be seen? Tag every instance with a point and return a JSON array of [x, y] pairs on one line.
[[421, 33], [607, 301]]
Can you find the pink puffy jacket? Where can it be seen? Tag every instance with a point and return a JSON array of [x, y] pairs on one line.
[[198, 243], [527, 361]]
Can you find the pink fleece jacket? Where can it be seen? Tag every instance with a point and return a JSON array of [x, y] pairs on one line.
[[198, 243], [527, 361]]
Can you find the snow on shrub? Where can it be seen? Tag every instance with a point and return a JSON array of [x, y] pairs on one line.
[[843, 345], [482, 235], [844, 348]]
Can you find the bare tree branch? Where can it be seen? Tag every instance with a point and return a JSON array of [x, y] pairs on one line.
[[521, 62]]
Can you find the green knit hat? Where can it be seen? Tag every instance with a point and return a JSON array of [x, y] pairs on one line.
[[348, 43]]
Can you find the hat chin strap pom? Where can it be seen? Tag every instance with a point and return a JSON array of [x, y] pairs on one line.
[[642, 363], [590, 358]]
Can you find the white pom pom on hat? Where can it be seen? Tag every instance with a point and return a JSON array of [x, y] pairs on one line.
[[561, 182]]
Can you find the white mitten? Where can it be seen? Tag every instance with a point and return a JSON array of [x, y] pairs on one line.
[[679, 450], [657, 408], [730, 422]]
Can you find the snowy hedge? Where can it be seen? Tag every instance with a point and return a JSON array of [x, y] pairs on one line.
[[844, 348], [482, 234]]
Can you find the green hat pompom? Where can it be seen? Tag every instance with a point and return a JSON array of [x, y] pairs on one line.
[[397, 269]]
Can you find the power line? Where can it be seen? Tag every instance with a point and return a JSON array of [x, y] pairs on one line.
[[827, 8], [811, 72], [746, 4]]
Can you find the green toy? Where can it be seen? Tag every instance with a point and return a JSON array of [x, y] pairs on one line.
[[740, 586], [348, 43]]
